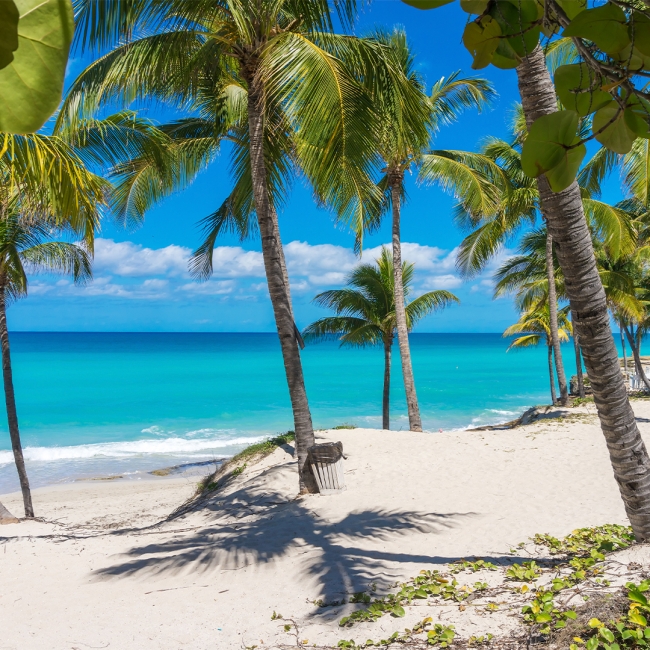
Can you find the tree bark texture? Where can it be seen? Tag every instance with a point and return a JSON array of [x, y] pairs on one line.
[[550, 374], [12, 415], [636, 354], [385, 410], [566, 223], [555, 336], [278, 287], [576, 348], [6, 517], [415, 423]]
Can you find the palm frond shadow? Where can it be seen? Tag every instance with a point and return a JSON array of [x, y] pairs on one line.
[[255, 525]]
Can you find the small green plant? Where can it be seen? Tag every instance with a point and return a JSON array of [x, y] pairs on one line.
[[360, 597], [526, 572], [606, 538], [484, 639], [344, 426], [476, 565], [542, 610], [238, 470], [275, 616], [578, 401]]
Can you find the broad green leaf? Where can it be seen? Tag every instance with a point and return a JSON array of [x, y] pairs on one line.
[[481, 38], [636, 596], [637, 117], [516, 20], [505, 57], [579, 89], [31, 85], [8, 32], [607, 635], [617, 136], [640, 30], [552, 148], [427, 4], [398, 611], [606, 26], [543, 618], [636, 618], [572, 7], [474, 6]]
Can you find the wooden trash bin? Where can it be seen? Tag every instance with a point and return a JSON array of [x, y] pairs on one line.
[[326, 461]]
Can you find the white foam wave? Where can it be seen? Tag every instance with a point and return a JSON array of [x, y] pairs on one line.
[[129, 449], [500, 412]]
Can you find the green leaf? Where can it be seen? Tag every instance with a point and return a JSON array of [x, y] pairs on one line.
[[593, 643], [640, 29], [398, 611], [636, 618], [547, 149], [606, 26], [636, 596], [427, 4], [31, 85], [617, 136], [579, 89], [481, 38], [637, 117], [8, 32], [572, 7], [517, 21], [607, 635], [543, 618], [474, 6]]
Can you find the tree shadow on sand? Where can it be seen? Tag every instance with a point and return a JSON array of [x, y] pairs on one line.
[[256, 525]]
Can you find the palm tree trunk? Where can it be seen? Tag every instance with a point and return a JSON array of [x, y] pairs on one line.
[[566, 223], [6, 517], [552, 307], [636, 353], [12, 416], [415, 423], [388, 344], [278, 287], [550, 374], [576, 348]]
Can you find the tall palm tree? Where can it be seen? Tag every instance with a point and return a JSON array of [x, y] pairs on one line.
[[286, 66], [535, 325], [405, 135], [366, 314], [28, 246]]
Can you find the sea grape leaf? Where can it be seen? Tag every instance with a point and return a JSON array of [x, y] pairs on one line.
[[616, 136], [639, 30], [552, 147], [606, 26], [578, 88], [427, 4], [474, 6], [572, 7], [8, 32], [516, 20], [31, 85], [637, 117], [481, 38], [505, 57]]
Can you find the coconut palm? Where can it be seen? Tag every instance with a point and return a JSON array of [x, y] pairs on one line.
[[535, 325], [28, 247], [366, 314], [405, 135], [298, 104]]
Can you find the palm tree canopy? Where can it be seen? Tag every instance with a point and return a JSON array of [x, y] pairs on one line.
[[535, 324], [29, 247], [365, 309]]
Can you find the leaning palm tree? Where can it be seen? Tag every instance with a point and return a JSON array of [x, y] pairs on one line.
[[28, 247], [406, 131], [299, 105], [535, 325], [366, 314]]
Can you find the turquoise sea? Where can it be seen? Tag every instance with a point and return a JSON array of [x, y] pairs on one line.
[[95, 404]]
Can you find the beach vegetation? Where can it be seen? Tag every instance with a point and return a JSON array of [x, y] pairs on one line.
[[472, 566], [409, 117], [365, 312], [270, 78], [553, 153]]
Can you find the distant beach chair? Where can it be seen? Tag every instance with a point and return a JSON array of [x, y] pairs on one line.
[[326, 461]]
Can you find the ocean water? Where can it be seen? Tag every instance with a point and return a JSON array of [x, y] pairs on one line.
[[98, 404]]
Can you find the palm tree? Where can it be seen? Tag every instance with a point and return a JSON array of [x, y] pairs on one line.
[[366, 314], [406, 131], [535, 325], [299, 105], [25, 246]]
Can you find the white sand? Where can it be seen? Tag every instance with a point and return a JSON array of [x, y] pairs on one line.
[[94, 576]]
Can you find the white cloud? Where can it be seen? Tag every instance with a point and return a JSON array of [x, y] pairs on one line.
[[448, 281], [127, 259]]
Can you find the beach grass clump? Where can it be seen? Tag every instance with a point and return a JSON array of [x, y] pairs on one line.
[[344, 426], [238, 463]]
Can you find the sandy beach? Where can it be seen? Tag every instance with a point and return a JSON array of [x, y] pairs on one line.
[[104, 567]]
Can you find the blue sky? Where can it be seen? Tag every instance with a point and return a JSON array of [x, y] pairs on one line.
[[141, 281]]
